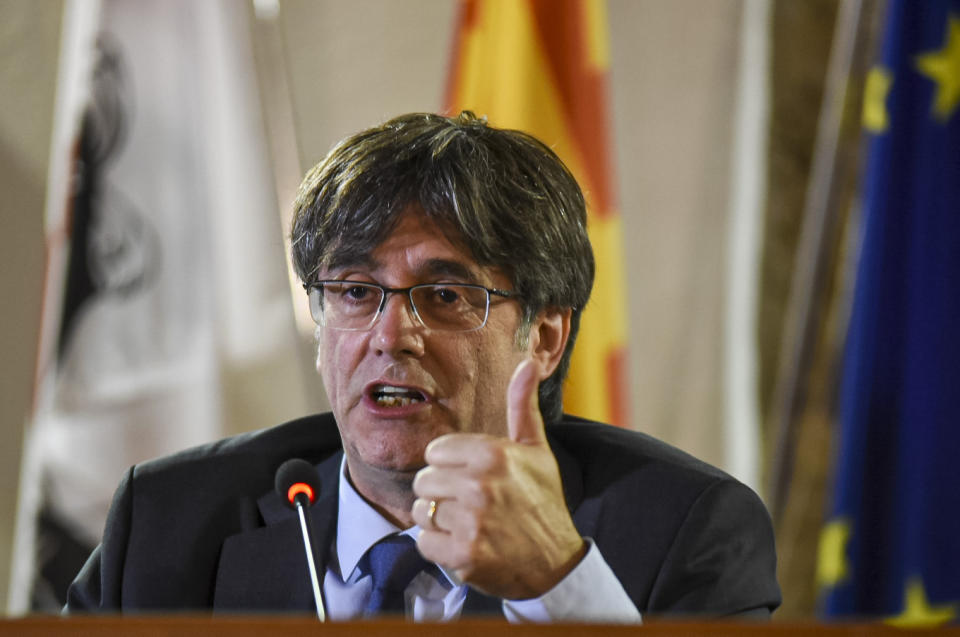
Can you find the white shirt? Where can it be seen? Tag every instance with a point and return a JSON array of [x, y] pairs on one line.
[[589, 593]]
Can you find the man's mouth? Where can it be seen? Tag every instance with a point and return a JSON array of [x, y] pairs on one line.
[[393, 396]]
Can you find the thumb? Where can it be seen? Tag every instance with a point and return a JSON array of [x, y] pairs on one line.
[[524, 422]]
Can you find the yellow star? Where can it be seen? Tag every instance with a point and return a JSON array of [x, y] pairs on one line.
[[917, 611], [943, 67], [832, 565], [875, 94]]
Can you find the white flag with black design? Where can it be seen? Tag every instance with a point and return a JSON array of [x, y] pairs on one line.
[[167, 316]]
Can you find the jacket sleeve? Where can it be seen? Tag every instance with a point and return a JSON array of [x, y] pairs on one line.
[[722, 560], [97, 588]]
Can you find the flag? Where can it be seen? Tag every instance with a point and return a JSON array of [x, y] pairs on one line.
[[167, 319], [891, 546], [541, 66]]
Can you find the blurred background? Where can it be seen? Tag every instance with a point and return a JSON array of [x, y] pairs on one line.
[[147, 301]]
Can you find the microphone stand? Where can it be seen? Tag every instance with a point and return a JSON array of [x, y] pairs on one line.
[[307, 531]]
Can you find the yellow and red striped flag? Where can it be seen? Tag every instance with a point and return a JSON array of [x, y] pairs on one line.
[[541, 66]]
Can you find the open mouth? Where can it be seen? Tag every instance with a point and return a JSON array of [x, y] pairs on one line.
[[392, 396]]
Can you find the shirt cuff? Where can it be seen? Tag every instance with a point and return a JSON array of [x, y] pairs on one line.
[[589, 593]]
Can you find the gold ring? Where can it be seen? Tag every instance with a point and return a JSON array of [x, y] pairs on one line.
[[432, 513]]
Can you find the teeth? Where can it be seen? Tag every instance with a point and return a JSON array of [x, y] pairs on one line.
[[395, 401], [391, 396]]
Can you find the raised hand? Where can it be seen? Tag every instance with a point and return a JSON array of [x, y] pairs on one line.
[[500, 521]]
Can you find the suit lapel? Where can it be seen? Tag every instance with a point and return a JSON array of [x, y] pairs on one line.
[[265, 568], [584, 509]]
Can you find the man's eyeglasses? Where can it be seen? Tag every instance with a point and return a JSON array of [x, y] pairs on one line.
[[449, 307]]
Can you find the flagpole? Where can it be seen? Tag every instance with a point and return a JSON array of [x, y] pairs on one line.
[[830, 168], [741, 407]]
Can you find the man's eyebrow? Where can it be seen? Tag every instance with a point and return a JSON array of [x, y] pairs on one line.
[[352, 261], [430, 268], [446, 267]]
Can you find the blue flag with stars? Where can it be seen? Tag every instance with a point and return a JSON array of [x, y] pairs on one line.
[[891, 546]]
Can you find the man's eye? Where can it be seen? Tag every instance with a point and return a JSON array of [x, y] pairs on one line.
[[446, 295], [357, 292]]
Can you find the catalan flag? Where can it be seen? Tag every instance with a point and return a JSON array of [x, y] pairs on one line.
[[541, 66], [891, 546]]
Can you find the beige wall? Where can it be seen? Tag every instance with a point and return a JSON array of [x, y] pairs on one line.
[[29, 41], [674, 70], [356, 63]]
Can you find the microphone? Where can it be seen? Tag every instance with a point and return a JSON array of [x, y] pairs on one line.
[[297, 483]]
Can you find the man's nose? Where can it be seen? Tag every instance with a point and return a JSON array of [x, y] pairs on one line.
[[398, 331]]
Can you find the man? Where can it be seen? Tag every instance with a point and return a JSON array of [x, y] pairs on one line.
[[447, 264]]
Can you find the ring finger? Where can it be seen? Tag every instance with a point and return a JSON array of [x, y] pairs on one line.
[[428, 514]]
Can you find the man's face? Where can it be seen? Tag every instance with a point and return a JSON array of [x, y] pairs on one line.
[[459, 379]]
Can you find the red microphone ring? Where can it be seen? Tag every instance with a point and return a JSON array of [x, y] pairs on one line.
[[297, 488]]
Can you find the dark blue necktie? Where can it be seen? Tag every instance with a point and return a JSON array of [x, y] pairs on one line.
[[393, 562]]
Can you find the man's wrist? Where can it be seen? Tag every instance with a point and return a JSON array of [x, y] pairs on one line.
[[590, 592], [540, 583]]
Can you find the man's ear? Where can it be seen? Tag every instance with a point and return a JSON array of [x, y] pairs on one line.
[[548, 337]]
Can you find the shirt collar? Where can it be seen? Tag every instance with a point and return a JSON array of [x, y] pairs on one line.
[[360, 526]]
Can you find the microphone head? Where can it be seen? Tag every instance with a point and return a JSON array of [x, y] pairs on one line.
[[295, 477]]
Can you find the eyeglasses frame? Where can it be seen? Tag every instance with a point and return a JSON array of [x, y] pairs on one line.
[[387, 291]]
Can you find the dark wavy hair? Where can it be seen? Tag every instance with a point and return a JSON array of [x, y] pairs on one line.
[[502, 195]]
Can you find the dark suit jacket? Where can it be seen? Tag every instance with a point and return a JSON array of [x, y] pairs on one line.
[[204, 529]]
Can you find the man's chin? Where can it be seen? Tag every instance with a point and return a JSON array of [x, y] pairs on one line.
[[391, 447], [388, 462]]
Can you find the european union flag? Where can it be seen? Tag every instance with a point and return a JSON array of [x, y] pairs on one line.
[[891, 547]]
